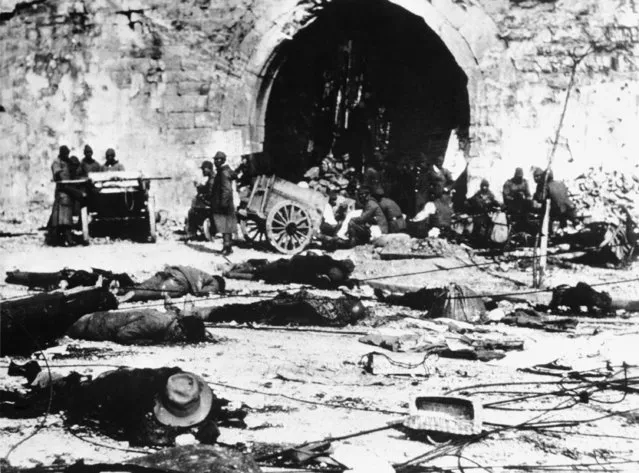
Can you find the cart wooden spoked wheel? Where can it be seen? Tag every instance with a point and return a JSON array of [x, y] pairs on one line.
[[289, 227], [253, 229]]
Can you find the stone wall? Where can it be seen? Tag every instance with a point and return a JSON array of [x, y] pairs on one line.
[[168, 83], [525, 85]]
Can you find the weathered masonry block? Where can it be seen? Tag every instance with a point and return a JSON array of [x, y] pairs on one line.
[[166, 83]]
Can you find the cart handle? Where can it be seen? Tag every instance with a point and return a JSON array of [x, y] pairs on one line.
[[86, 179]]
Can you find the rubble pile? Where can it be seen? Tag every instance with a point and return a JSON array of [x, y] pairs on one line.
[[436, 246], [602, 195], [422, 247]]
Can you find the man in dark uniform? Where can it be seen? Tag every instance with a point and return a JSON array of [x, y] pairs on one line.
[[61, 220], [439, 178], [436, 214], [88, 163], [480, 205], [516, 189], [77, 191], [561, 206], [359, 228], [201, 205], [393, 213], [112, 164], [516, 195], [222, 206], [442, 217]]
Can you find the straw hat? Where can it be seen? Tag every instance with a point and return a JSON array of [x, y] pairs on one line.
[[186, 401]]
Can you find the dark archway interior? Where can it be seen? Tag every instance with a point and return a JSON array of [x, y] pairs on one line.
[[366, 76]]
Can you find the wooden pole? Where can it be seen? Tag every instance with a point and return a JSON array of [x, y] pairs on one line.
[[542, 240], [542, 255]]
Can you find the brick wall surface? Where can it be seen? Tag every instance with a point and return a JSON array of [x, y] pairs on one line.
[[168, 83]]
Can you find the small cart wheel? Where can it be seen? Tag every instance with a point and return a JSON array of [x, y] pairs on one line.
[[150, 210], [84, 223], [289, 227], [254, 230]]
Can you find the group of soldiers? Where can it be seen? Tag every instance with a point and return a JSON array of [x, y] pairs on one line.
[[377, 213], [68, 198], [520, 205], [436, 193]]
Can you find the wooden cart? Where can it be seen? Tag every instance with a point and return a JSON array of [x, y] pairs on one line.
[[118, 199], [282, 213]]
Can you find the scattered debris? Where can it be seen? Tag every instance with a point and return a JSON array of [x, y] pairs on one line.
[[377, 363], [530, 318], [468, 346], [199, 459], [456, 416], [420, 248]]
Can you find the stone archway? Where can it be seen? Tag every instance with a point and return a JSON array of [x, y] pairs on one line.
[[466, 31]]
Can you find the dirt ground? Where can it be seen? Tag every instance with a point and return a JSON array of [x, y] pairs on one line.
[[304, 385]]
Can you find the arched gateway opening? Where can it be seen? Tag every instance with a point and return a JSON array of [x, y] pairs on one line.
[[367, 78]]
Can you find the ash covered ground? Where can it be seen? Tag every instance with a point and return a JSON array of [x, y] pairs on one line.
[[303, 384]]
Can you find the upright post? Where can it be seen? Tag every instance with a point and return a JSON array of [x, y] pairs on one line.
[[541, 255]]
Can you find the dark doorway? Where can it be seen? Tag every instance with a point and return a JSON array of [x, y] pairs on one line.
[[365, 78]]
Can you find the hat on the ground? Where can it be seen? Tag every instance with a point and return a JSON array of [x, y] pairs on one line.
[[186, 401], [207, 165]]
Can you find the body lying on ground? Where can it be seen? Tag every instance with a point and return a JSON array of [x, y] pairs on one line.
[[581, 295], [301, 308], [318, 270], [139, 327], [67, 279], [35, 322], [453, 301], [142, 406], [175, 281]]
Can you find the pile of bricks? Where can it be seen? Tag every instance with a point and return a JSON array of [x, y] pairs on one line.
[[602, 195]]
